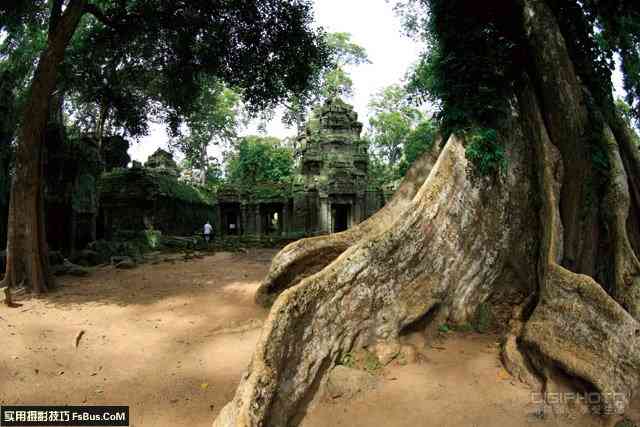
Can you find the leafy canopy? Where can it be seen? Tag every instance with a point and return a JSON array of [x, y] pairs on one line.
[[476, 53], [391, 121], [398, 133], [134, 60], [257, 159], [330, 79], [214, 122]]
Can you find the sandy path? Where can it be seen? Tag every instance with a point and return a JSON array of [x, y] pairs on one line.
[[170, 340]]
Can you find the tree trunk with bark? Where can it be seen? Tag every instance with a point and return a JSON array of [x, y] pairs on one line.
[[27, 252], [448, 242]]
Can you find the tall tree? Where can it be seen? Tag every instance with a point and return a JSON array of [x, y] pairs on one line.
[[536, 192], [392, 119], [257, 159], [331, 79], [213, 122], [265, 48]]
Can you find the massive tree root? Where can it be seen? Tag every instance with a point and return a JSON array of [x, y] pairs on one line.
[[443, 251], [576, 327], [455, 241], [305, 257]]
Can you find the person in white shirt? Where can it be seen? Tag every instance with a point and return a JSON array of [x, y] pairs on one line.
[[208, 231]]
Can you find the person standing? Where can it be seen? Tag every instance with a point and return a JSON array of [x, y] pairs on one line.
[[208, 231]]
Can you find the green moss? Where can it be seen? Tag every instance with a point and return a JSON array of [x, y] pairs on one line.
[[483, 319], [371, 362], [444, 328], [150, 184], [348, 360], [168, 186], [152, 238], [466, 327], [262, 191]]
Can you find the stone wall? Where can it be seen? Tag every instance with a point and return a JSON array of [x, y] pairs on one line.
[[72, 168], [142, 198]]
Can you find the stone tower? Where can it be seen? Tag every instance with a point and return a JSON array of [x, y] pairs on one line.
[[334, 165]]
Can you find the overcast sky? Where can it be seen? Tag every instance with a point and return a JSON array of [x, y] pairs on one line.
[[374, 26]]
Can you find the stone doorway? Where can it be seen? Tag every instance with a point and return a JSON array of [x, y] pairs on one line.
[[272, 216], [340, 217], [230, 216]]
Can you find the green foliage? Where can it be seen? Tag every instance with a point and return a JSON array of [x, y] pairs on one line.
[[343, 53], [398, 134], [444, 328], [348, 360], [470, 63], [152, 184], [24, 40], [614, 27], [475, 54], [392, 120], [329, 79], [214, 122], [169, 186], [152, 238], [626, 423], [484, 152], [257, 160], [418, 142], [624, 110], [114, 152], [133, 60], [380, 172], [362, 359], [465, 327], [371, 362]]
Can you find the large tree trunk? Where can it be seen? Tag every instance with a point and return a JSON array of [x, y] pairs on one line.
[[27, 253], [447, 247]]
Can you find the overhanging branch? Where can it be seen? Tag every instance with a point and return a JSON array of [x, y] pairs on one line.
[[99, 15]]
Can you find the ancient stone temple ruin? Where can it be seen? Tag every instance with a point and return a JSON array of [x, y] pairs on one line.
[[330, 193], [151, 197]]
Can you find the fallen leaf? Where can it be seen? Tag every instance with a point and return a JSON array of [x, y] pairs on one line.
[[204, 386]]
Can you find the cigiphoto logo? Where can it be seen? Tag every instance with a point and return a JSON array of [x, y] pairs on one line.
[[595, 403]]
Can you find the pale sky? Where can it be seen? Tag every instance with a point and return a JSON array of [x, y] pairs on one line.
[[374, 26]]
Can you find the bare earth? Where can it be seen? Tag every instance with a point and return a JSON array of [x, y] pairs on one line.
[[172, 340]]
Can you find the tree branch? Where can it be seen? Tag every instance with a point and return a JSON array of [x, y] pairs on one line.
[[99, 15], [56, 12]]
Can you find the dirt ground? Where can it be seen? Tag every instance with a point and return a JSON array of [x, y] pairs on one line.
[[458, 381], [171, 341]]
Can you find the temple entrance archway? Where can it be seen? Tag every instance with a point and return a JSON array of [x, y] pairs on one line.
[[341, 217]]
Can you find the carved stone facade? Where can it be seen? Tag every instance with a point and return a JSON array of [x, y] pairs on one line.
[[334, 167], [331, 193]]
